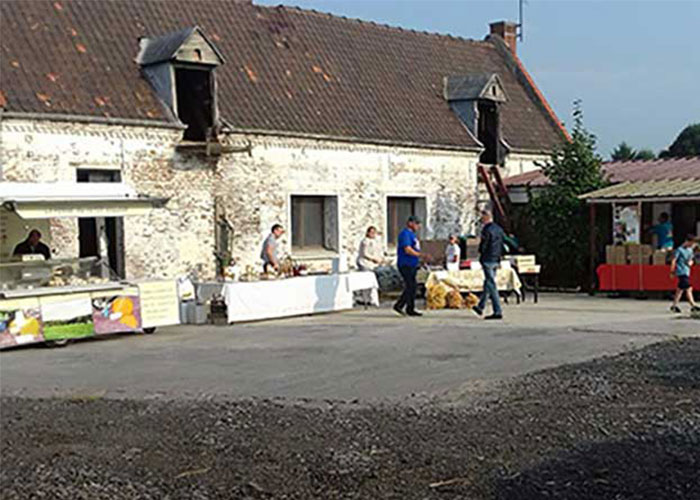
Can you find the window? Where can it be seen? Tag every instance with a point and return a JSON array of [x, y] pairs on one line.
[[315, 222], [96, 231], [399, 209], [194, 102], [488, 132]]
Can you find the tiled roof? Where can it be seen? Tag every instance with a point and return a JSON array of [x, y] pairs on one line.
[[286, 70], [663, 169], [644, 190]]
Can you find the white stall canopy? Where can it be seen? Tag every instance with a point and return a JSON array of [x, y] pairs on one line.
[[31, 200]]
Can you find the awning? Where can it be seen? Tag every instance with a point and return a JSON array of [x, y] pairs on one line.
[[32, 200], [647, 191]]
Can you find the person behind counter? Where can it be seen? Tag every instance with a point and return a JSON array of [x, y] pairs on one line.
[[269, 253], [370, 254], [664, 232], [33, 245], [452, 254]]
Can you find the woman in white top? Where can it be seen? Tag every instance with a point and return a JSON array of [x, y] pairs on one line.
[[452, 254], [370, 254], [369, 257]]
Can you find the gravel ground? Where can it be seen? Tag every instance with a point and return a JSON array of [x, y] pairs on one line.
[[624, 427]]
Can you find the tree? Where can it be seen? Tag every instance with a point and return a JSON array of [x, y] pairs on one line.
[[686, 144], [644, 154], [559, 217], [622, 152]]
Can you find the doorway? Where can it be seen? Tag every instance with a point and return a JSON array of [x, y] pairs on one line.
[[102, 236]]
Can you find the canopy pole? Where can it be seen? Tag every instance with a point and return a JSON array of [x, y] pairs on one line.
[[592, 245]]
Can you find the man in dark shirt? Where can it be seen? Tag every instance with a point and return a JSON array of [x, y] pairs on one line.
[[408, 248], [490, 252], [33, 245]]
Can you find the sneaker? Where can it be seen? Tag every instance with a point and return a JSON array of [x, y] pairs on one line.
[[414, 313], [675, 309], [477, 311], [398, 310], [494, 316]]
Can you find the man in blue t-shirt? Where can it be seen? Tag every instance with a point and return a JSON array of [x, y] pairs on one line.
[[409, 255], [664, 233], [680, 268]]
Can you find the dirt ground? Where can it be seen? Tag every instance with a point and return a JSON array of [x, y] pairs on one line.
[[620, 427]]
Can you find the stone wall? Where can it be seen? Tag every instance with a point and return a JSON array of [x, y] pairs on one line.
[[252, 190], [169, 241], [361, 176]]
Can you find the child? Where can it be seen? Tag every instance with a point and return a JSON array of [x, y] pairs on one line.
[[452, 254], [680, 268]]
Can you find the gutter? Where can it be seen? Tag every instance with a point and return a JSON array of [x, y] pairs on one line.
[[348, 139], [103, 120]]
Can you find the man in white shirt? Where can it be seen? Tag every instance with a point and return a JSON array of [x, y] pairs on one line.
[[452, 254]]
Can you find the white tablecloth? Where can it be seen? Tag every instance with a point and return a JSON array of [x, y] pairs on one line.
[[294, 296]]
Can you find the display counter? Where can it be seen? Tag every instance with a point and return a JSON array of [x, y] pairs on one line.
[[268, 299], [647, 278]]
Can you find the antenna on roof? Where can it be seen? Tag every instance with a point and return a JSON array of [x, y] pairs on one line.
[[519, 26]]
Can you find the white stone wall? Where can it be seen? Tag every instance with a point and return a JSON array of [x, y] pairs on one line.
[[361, 176], [169, 241], [253, 190], [520, 163]]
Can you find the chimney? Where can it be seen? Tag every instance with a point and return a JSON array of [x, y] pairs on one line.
[[508, 32]]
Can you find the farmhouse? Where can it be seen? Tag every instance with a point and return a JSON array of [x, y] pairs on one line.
[[241, 116]]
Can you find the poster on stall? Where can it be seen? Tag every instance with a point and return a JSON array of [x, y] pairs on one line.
[[159, 303], [626, 224], [116, 313], [67, 317], [20, 326]]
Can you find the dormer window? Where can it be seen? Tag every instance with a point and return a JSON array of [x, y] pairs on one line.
[[475, 99], [181, 68]]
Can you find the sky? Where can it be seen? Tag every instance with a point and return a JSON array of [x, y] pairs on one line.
[[635, 64]]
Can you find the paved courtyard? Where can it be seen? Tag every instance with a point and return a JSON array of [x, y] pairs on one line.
[[362, 354]]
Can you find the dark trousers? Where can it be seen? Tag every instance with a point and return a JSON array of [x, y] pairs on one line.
[[408, 297]]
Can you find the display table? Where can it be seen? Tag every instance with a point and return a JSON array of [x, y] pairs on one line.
[[648, 278], [472, 280], [256, 300]]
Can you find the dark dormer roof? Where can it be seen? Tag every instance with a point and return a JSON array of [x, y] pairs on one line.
[[172, 45], [287, 71], [474, 87]]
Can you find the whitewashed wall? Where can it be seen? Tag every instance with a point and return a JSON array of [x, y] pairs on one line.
[[254, 190]]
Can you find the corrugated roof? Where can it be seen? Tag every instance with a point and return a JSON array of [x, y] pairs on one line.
[[287, 70], [623, 171], [648, 190]]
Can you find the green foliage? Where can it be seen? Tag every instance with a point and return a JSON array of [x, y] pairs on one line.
[[559, 218], [686, 144], [645, 154], [624, 152]]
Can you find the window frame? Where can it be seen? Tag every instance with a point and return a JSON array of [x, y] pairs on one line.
[[315, 249], [422, 212]]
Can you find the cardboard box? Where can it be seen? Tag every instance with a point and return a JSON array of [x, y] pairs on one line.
[[530, 269], [522, 260], [660, 257], [615, 254], [639, 254]]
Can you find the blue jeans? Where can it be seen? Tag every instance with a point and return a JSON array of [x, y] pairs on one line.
[[490, 288]]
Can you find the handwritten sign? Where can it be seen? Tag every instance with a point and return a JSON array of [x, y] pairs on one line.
[[159, 303]]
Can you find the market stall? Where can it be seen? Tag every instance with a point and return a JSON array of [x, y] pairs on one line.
[[294, 296], [632, 260], [56, 299]]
